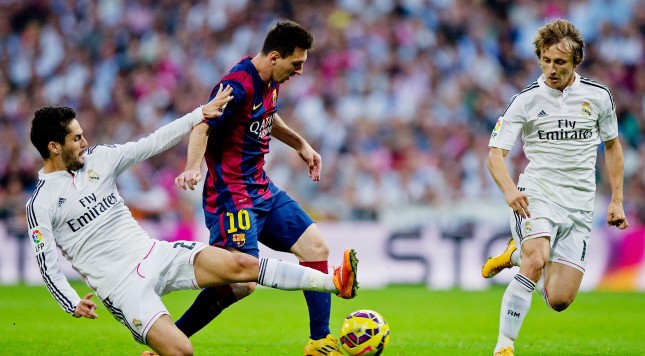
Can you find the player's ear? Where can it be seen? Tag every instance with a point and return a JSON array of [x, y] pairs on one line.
[[273, 57], [54, 147]]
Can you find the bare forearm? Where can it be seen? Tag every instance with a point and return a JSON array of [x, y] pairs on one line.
[[197, 146], [615, 169], [499, 172], [285, 134]]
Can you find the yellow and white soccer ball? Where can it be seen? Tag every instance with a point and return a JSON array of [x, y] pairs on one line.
[[364, 332]]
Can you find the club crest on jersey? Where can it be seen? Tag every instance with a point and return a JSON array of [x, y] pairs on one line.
[[92, 176], [137, 323], [275, 96], [586, 109], [528, 227], [239, 239]]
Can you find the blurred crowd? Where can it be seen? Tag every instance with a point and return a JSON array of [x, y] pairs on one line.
[[398, 96]]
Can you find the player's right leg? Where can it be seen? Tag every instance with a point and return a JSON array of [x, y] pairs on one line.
[[516, 301], [215, 266]]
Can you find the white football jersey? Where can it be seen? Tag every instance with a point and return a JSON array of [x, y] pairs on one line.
[[561, 132], [83, 214]]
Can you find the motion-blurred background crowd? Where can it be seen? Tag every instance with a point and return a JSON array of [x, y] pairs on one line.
[[399, 96]]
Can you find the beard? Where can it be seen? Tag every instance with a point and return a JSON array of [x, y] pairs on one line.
[[72, 162]]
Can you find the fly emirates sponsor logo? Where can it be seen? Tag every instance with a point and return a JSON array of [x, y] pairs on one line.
[[95, 208], [264, 128], [567, 131]]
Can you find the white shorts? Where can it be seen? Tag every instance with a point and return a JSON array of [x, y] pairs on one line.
[[568, 229], [167, 267]]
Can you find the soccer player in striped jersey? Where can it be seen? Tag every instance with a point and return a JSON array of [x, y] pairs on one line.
[[77, 207], [241, 204], [563, 117]]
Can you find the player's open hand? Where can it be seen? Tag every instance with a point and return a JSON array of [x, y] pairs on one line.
[[313, 161], [616, 216], [519, 202], [86, 308], [215, 107], [188, 178]]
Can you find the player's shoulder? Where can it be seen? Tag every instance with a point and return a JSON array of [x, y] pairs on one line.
[[41, 196], [529, 90], [591, 85], [592, 88], [523, 96], [98, 150]]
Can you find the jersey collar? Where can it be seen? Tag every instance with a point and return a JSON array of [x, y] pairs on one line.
[[572, 87]]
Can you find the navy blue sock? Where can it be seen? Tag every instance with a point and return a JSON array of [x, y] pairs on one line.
[[207, 306], [319, 304]]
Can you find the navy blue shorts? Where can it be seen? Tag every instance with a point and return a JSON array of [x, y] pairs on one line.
[[277, 222]]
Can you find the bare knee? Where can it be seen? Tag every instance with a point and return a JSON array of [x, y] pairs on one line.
[[184, 349], [244, 267], [242, 290], [166, 339], [532, 266], [244, 264], [311, 246], [560, 302], [319, 250], [181, 349]]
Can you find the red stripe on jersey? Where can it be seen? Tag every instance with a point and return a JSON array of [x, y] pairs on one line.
[[222, 230]]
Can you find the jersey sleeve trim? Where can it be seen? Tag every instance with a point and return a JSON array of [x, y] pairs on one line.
[[32, 220], [58, 295]]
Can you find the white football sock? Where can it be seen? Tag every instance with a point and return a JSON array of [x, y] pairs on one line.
[[290, 276], [516, 257], [541, 290], [515, 305]]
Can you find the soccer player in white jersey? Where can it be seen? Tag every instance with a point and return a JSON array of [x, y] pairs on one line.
[[562, 117], [76, 206]]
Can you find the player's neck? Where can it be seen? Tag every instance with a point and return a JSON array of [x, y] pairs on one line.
[[53, 165], [262, 65]]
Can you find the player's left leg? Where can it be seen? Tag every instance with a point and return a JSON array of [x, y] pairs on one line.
[[560, 285], [312, 251], [166, 339], [563, 274]]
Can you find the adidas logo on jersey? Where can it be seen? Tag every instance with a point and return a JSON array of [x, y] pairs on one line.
[[60, 201], [542, 113]]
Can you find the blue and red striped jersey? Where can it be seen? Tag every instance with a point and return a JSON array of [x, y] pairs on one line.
[[238, 141]]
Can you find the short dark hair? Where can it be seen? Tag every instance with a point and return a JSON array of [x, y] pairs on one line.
[[50, 123], [560, 30], [285, 37]]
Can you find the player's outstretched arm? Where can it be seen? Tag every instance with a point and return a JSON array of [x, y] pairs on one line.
[[86, 307], [615, 168], [216, 106], [128, 154], [291, 138]]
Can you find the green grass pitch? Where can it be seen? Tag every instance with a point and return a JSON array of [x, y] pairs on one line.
[[272, 322]]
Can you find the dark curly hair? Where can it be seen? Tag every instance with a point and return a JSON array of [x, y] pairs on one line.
[[285, 37], [50, 123]]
